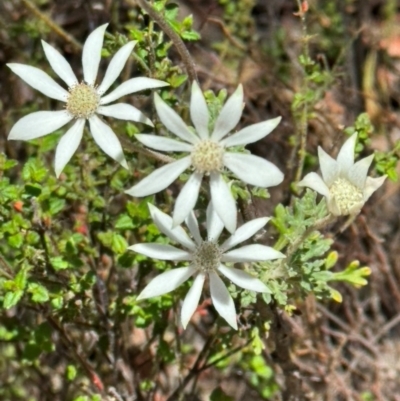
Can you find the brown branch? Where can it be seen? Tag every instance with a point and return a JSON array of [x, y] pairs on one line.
[[51, 24], [176, 39]]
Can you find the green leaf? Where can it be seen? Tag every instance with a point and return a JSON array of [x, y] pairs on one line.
[[353, 274], [39, 293], [16, 240], [56, 205], [177, 80], [191, 35], [59, 263], [21, 278], [124, 222], [71, 372], [119, 244], [34, 171], [33, 189], [12, 298]]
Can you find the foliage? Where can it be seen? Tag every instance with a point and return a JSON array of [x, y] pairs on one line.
[[68, 284]]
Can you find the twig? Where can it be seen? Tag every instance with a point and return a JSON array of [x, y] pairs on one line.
[[52, 25], [303, 123], [93, 376], [176, 39], [5, 270], [175, 396]]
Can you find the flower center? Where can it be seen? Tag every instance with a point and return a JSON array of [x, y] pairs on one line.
[[208, 156], [348, 197], [83, 100], [207, 257]]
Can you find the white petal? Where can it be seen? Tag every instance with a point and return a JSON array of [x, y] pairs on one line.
[[186, 200], [243, 279], [193, 226], [358, 172], [108, 142], [164, 144], [251, 133], [192, 298], [244, 232], [173, 122], [371, 185], [131, 86], [329, 167], [214, 224], [315, 182], [222, 301], [333, 206], [252, 253], [161, 251], [223, 201], [91, 54], [160, 179], [39, 80], [124, 111], [229, 116], [38, 124], [67, 145], [59, 64], [253, 170], [199, 111], [166, 282], [115, 67], [345, 157], [164, 224]]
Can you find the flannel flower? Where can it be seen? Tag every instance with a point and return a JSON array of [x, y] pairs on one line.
[[208, 156], [83, 100], [206, 258], [344, 183]]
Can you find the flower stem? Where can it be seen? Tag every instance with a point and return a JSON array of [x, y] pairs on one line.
[[176, 39], [51, 24], [302, 129]]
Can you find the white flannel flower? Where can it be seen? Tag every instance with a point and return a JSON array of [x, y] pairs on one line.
[[83, 100], [208, 156], [206, 258], [344, 183]]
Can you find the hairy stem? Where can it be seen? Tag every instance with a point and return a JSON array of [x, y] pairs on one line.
[[178, 42], [302, 129]]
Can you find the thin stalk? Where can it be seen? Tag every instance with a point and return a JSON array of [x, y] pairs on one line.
[[51, 24], [303, 123], [176, 39]]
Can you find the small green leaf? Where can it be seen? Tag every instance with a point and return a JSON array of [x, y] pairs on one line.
[[124, 222], [56, 205], [33, 189], [16, 240], [71, 372], [119, 244], [12, 298], [59, 263], [39, 293], [331, 260]]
